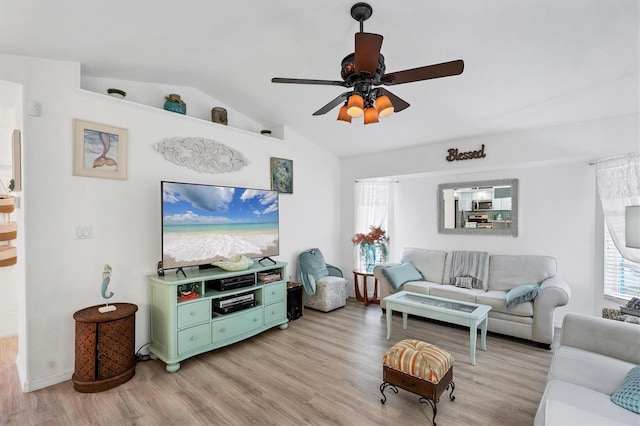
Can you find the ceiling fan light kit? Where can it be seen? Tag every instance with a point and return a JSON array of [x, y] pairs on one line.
[[364, 70], [384, 106], [355, 106], [343, 115], [370, 115]]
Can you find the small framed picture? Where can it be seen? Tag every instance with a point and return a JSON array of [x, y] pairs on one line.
[[99, 150], [282, 175]]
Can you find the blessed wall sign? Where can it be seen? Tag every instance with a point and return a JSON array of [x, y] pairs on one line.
[[455, 155]]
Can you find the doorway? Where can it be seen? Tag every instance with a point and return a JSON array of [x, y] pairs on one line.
[[10, 120]]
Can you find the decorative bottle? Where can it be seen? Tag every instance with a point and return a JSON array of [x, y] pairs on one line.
[[175, 104], [219, 115]]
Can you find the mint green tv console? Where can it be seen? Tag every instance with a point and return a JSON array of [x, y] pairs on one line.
[[184, 324]]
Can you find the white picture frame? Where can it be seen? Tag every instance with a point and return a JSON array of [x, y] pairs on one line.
[[99, 150]]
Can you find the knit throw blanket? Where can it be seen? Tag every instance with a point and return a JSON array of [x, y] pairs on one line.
[[468, 268]]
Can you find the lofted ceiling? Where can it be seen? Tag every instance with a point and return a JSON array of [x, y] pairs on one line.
[[528, 64]]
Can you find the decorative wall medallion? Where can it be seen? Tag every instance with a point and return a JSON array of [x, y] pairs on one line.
[[201, 155], [454, 155]]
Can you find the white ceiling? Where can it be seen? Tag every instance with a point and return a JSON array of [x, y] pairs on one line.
[[528, 63]]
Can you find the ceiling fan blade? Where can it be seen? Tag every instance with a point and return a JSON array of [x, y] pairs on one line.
[[334, 103], [309, 81], [368, 47], [399, 104], [444, 69]]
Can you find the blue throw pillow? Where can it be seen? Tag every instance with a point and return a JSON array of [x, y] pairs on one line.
[[628, 393], [400, 274], [520, 294]]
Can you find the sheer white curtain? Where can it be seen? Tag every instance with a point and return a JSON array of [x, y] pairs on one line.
[[373, 202], [618, 181]]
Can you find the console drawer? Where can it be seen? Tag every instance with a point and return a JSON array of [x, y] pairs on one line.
[[275, 312], [193, 338], [227, 328], [194, 313], [274, 292]]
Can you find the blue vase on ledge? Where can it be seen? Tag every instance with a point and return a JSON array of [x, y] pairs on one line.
[[370, 257], [175, 104]]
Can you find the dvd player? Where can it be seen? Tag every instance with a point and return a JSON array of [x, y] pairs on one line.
[[222, 284], [235, 307], [234, 299]]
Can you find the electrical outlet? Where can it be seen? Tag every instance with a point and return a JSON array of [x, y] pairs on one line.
[[83, 232]]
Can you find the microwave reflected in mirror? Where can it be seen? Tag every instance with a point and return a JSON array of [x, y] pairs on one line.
[[483, 207]]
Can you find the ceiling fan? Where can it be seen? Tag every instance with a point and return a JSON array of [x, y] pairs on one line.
[[364, 71]]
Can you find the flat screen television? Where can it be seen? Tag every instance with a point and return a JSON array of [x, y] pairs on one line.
[[202, 224]]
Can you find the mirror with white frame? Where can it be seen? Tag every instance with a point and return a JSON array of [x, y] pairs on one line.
[[487, 207]]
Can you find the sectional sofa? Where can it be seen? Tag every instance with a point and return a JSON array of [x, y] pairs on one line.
[[532, 320], [596, 364]]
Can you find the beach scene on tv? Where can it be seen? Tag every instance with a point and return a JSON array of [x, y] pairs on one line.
[[202, 224]]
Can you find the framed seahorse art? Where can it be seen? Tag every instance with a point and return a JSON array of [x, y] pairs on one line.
[[99, 150], [282, 175]]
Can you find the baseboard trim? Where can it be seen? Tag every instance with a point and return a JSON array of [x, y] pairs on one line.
[[34, 385]]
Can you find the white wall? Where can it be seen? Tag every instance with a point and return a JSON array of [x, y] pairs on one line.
[[63, 274], [552, 200], [559, 213]]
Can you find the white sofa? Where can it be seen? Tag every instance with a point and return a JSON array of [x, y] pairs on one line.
[[530, 320], [594, 357]]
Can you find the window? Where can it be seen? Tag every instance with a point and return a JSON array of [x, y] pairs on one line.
[[373, 205], [621, 276]]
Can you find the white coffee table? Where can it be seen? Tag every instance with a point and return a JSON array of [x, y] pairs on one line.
[[469, 314]]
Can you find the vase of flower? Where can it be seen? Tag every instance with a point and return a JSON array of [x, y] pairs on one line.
[[374, 247]]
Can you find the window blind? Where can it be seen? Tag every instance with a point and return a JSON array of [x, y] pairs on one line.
[[621, 276]]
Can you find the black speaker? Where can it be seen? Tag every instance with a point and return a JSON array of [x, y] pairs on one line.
[[294, 301]]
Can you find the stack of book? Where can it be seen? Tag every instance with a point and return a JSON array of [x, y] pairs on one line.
[[269, 276]]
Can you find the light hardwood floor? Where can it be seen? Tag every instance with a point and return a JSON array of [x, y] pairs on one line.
[[324, 369]]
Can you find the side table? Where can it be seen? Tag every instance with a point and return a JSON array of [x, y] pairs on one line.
[[105, 347], [364, 296]]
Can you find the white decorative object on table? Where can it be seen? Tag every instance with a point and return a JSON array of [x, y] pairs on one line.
[[238, 262], [201, 155], [106, 278]]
